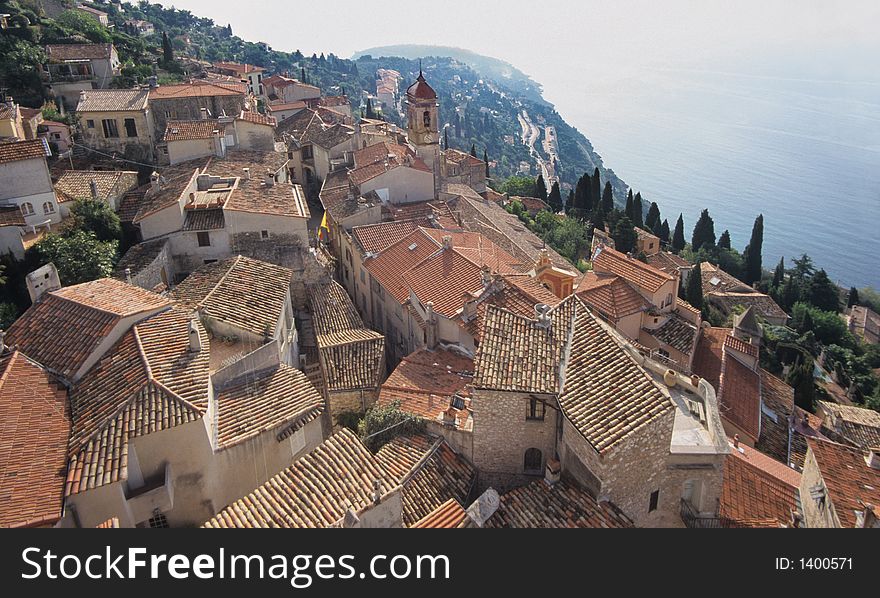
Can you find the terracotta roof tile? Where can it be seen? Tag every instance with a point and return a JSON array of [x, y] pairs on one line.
[[113, 100], [64, 52], [242, 292], [139, 257], [610, 295], [34, 429], [11, 216], [374, 238], [257, 118], [189, 130], [449, 515], [855, 425], [562, 505], [851, 483], [757, 487], [390, 265], [76, 184], [64, 327], [777, 408], [707, 361], [315, 491], [13, 151], [739, 396], [636, 272], [198, 89], [429, 470], [676, 332], [517, 293], [262, 401], [668, 262]]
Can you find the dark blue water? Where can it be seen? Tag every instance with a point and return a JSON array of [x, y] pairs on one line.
[[804, 153]]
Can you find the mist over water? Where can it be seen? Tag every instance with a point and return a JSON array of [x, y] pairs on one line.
[[804, 152]]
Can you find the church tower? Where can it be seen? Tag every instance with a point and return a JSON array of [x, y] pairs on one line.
[[423, 125]]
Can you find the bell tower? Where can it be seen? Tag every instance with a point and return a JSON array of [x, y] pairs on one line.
[[423, 125]]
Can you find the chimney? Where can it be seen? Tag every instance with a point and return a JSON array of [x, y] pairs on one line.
[[447, 241], [736, 441], [2, 342], [484, 507], [247, 173], [542, 311], [128, 276], [154, 180], [552, 472], [93, 187], [485, 276], [195, 340], [377, 491], [204, 112], [867, 518], [153, 81], [873, 458], [270, 178], [431, 326]]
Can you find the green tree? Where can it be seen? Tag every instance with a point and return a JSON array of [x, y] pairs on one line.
[[779, 273], [803, 267], [624, 235], [486, 161], [370, 111], [474, 150], [853, 297], [569, 203], [445, 138], [823, 293], [704, 232], [724, 240], [638, 213], [653, 217], [555, 198], [694, 291], [678, 235], [664, 231], [607, 198], [167, 49], [523, 186], [540, 188], [598, 218], [595, 191], [752, 253], [98, 217], [628, 209], [383, 423], [79, 256], [800, 377]]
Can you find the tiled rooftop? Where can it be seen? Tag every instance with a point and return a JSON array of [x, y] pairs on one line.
[[65, 326], [242, 292], [739, 395], [449, 515], [13, 151], [64, 52], [139, 257], [610, 295], [777, 407], [189, 130], [855, 425], [34, 429], [676, 332], [611, 261], [315, 491], [76, 184], [430, 472], [113, 100], [757, 487], [262, 401], [562, 505], [197, 89], [148, 381], [373, 238], [851, 483]]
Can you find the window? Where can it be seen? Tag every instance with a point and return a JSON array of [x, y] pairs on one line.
[[655, 498], [536, 409], [158, 520], [663, 352], [204, 239], [111, 130], [426, 118], [27, 208], [167, 114], [206, 262], [130, 128], [532, 461], [264, 234], [363, 276], [307, 152], [48, 207], [669, 299], [90, 124]]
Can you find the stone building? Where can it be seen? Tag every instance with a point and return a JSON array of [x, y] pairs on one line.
[[564, 388], [107, 186], [196, 100], [118, 121], [73, 68], [840, 486]]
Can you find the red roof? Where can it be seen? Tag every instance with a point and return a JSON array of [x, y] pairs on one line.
[[373, 238], [611, 295], [446, 279], [851, 483], [389, 266], [630, 269], [34, 430], [740, 395], [757, 487], [420, 90]]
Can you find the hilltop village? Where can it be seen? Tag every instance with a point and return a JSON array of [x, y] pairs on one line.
[[325, 319]]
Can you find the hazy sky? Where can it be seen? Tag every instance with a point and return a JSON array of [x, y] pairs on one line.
[[538, 36]]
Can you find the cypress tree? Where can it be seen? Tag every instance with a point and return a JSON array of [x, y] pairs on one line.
[[628, 210], [678, 235], [664, 231], [779, 273], [823, 293], [752, 254], [582, 190], [704, 232], [302, 74], [637, 211], [653, 217], [656, 230], [599, 218], [724, 240], [370, 112], [853, 297], [790, 293], [607, 198], [807, 322], [624, 235], [445, 138], [569, 204], [555, 198], [595, 190], [474, 150], [540, 188], [801, 379], [486, 160], [694, 292], [167, 49]]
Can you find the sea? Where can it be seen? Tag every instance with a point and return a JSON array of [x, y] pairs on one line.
[[805, 153]]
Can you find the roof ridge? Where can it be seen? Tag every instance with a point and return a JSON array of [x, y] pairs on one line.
[[12, 358], [219, 282], [142, 352], [423, 460]]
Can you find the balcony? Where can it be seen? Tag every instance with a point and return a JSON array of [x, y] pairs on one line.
[[693, 519]]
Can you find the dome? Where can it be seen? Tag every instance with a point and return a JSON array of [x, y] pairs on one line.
[[421, 90]]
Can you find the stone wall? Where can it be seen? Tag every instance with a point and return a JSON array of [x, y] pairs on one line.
[[502, 434], [813, 515]]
